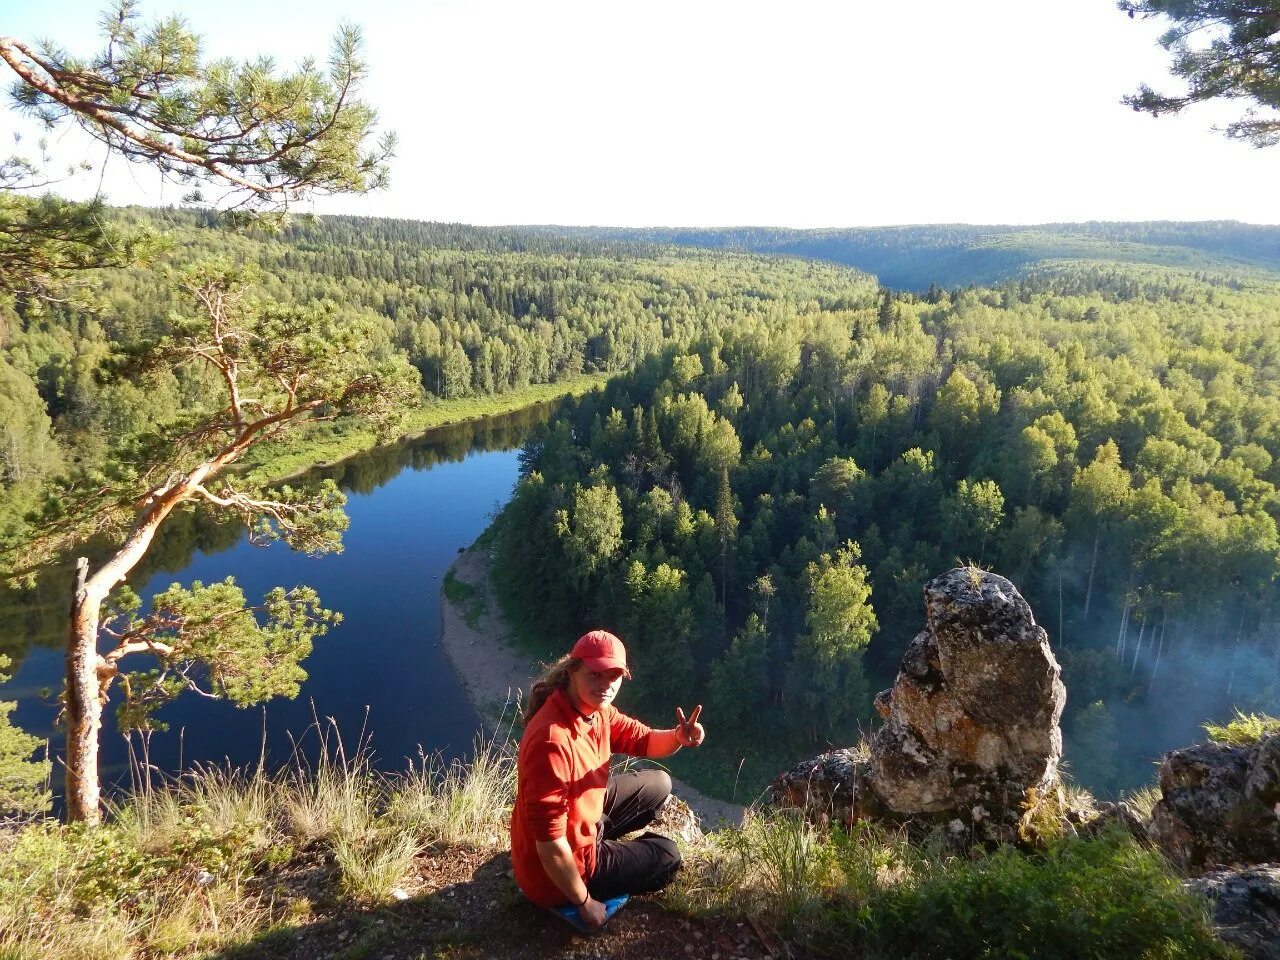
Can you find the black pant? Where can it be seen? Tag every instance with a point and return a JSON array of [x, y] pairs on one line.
[[633, 866]]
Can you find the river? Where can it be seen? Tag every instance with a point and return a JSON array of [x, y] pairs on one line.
[[380, 677]]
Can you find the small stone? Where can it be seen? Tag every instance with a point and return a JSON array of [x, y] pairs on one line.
[[399, 893]]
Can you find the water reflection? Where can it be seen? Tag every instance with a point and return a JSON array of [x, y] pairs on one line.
[[412, 505]]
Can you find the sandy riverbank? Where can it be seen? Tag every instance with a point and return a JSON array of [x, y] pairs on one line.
[[493, 670]]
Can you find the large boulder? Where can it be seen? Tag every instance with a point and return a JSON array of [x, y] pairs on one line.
[[971, 722], [1246, 908], [1220, 804]]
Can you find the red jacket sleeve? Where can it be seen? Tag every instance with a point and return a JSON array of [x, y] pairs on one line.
[[544, 790], [627, 734]]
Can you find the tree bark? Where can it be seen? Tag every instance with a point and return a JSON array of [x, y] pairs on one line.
[[1061, 638], [83, 708]]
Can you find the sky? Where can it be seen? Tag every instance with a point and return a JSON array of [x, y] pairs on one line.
[[709, 113]]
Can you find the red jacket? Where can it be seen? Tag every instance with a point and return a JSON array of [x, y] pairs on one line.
[[562, 774]]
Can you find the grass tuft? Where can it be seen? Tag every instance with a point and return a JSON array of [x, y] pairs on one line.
[[466, 597], [1245, 729], [373, 865], [457, 804]]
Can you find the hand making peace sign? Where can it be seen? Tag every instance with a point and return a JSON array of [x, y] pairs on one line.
[[689, 732]]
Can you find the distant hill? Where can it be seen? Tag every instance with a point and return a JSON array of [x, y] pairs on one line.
[[957, 255]]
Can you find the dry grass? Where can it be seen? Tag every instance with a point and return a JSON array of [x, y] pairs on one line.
[[167, 874], [373, 865], [455, 803], [1143, 801]]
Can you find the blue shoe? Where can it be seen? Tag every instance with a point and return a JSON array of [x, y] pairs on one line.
[[570, 914]]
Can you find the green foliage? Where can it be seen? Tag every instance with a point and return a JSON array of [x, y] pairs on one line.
[[1220, 49], [1094, 741], [23, 781], [206, 639], [971, 516], [1068, 431], [658, 623], [1105, 897], [467, 597], [591, 529], [739, 682], [1245, 729], [954, 256], [152, 97], [873, 893], [826, 687], [48, 245]]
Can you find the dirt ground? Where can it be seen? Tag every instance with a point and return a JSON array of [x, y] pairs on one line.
[[463, 904]]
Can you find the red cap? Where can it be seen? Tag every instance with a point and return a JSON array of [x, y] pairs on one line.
[[601, 650]]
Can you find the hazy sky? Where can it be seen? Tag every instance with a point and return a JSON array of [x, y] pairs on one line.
[[720, 113]]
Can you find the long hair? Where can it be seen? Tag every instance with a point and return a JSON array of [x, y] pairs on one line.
[[553, 678]]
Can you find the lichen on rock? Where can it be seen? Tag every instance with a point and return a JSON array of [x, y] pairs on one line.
[[1246, 908], [1219, 804], [971, 723]]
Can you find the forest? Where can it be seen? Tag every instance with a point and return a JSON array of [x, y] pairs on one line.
[[785, 454], [757, 513], [477, 312]]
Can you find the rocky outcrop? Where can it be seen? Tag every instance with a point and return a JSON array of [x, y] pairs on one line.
[[1246, 908], [971, 722], [1220, 804]]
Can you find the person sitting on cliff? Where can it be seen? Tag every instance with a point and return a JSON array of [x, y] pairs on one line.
[[569, 813]]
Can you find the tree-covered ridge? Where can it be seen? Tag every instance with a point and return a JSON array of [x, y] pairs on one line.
[[950, 255], [473, 310], [1105, 435]]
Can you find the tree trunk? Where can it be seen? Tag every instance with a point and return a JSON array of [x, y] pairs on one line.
[[1164, 622], [83, 708], [1235, 650], [86, 690], [1137, 649], [1124, 624], [1093, 565]]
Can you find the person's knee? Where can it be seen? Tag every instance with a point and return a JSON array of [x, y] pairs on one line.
[[659, 784]]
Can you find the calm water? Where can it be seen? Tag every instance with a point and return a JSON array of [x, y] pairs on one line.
[[382, 670]]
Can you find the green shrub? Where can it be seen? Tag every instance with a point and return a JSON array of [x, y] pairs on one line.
[[1105, 897], [874, 893]]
